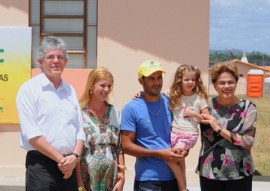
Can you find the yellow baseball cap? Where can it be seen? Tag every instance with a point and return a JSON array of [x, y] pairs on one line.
[[149, 67]]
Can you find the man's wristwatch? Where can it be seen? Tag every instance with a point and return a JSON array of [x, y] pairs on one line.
[[81, 188], [76, 155]]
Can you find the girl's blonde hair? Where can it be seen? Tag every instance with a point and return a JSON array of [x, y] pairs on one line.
[[176, 87], [95, 75]]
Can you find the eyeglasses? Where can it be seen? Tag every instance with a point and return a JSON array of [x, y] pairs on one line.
[[52, 57]]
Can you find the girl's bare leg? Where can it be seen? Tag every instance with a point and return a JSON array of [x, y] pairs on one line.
[[178, 170], [182, 165]]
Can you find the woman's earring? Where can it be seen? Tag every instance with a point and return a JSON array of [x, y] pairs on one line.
[[90, 92]]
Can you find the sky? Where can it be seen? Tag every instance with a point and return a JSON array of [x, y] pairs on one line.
[[240, 24]]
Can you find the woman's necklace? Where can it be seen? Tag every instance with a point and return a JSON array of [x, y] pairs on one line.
[[160, 107]]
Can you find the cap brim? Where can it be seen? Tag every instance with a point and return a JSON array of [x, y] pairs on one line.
[[151, 72]]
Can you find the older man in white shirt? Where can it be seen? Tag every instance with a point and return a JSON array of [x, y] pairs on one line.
[[51, 122]]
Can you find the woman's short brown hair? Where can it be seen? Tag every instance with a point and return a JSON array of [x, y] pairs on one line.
[[222, 67]]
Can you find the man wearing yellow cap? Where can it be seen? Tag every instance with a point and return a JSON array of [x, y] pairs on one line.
[[146, 125]]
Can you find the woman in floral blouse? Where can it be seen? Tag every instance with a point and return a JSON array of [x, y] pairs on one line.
[[227, 135], [102, 163]]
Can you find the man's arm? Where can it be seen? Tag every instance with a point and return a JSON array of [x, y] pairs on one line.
[[30, 131], [130, 148], [41, 144]]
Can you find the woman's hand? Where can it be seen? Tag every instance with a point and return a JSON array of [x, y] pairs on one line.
[[209, 119], [120, 183]]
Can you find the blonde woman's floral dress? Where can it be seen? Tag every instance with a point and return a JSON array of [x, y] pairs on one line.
[[99, 159], [221, 159]]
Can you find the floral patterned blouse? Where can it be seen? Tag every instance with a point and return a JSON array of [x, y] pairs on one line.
[[221, 159], [99, 159]]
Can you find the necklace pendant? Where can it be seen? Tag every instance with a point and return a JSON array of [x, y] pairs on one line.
[[103, 128]]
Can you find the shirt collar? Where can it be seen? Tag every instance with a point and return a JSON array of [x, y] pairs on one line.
[[46, 82]]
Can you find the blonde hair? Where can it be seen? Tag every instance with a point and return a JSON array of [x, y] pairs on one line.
[[175, 89], [94, 76], [222, 67]]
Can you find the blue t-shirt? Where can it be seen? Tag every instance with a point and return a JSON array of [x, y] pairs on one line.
[[152, 132]]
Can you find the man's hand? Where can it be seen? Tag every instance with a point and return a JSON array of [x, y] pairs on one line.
[[169, 156], [67, 164], [181, 152]]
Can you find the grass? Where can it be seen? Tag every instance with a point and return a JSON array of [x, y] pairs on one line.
[[261, 148]]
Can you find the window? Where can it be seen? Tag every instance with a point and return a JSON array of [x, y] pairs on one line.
[[73, 20]]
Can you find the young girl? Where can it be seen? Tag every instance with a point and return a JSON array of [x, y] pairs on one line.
[[188, 99]]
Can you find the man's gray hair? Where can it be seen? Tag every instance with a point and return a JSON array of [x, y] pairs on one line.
[[52, 43]]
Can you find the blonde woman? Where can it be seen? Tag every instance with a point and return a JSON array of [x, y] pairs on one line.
[[102, 163]]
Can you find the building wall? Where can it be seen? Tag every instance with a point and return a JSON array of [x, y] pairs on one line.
[[173, 33], [13, 13], [129, 32]]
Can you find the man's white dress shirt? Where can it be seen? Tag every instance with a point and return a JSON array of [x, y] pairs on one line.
[[49, 112]]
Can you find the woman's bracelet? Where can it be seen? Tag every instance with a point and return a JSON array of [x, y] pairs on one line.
[[231, 137], [219, 130], [81, 188], [123, 167]]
